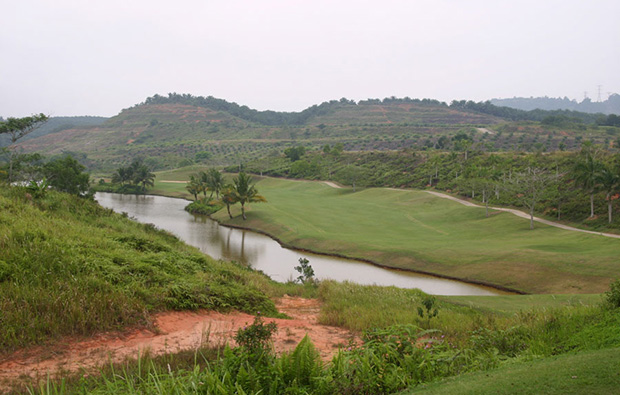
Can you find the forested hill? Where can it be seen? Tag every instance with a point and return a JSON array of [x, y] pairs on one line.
[[609, 106], [180, 130], [334, 111], [58, 124], [380, 110]]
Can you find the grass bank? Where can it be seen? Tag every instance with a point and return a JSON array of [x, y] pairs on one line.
[[592, 372], [69, 267], [414, 230]]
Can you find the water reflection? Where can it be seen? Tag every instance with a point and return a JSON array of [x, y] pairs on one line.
[[264, 253]]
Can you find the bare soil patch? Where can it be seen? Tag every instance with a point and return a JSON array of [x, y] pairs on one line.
[[175, 331]]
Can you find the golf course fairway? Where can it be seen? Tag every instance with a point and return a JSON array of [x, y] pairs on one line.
[[414, 230]]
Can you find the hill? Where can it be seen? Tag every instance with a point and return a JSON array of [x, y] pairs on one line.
[[609, 106], [58, 124], [180, 130]]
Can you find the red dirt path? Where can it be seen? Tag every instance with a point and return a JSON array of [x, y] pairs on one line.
[[176, 331]]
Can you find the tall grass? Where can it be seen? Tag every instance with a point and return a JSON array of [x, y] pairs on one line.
[[534, 331], [71, 267]]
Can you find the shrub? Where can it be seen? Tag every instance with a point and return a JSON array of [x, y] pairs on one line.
[[306, 271], [255, 339], [612, 297]]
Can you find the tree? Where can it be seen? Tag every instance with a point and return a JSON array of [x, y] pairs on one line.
[[215, 182], [609, 181], [246, 192], [122, 175], [193, 186], [143, 176], [442, 142], [229, 197], [306, 271], [17, 128], [483, 179], [351, 174], [462, 142], [530, 186], [294, 153], [67, 175], [586, 175]]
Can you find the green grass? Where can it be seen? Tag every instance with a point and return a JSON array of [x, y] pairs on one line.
[[542, 324], [71, 267], [592, 372], [510, 304], [414, 230]]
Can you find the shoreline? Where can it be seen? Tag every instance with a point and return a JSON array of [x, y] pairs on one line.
[[365, 260]]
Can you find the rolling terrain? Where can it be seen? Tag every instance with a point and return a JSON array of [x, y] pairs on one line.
[[180, 130]]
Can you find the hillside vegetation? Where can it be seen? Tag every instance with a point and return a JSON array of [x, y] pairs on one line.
[[58, 124], [71, 267], [181, 130]]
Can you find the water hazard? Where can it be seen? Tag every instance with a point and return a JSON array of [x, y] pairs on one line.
[[265, 254]]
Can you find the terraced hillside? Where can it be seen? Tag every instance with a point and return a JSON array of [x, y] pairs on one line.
[[180, 130]]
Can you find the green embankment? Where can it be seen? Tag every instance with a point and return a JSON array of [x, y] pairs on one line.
[[417, 231], [591, 372], [71, 267]]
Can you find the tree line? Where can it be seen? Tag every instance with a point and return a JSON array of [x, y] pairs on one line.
[[274, 118]]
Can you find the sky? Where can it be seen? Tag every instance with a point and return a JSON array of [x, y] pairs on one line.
[[95, 57]]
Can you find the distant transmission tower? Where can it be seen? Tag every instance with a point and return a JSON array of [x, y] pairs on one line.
[[585, 95], [599, 92]]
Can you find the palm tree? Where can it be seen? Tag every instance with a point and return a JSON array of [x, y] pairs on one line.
[[246, 192], [122, 175], [586, 175], [193, 186], [229, 197], [203, 179], [144, 176], [215, 182], [610, 184]]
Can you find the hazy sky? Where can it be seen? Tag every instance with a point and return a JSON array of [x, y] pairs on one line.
[[97, 57]]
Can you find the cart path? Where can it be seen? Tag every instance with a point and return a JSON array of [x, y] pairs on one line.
[[518, 213], [521, 214]]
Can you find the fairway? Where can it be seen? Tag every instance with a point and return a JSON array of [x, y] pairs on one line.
[[417, 231]]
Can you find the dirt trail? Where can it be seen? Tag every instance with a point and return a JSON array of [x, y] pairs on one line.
[[176, 331]]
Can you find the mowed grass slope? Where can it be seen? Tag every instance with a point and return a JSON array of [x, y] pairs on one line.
[[591, 372], [417, 231]]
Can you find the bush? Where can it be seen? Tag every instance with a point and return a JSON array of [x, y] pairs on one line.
[[255, 339], [612, 297]]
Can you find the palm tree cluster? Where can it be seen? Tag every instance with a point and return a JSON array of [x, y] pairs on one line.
[[137, 173], [594, 176], [203, 182], [242, 190]]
